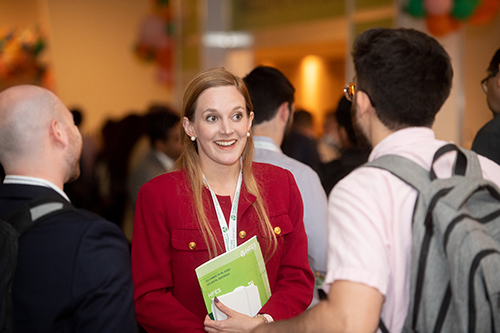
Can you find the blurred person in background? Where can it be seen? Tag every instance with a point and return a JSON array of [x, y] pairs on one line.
[[487, 140], [82, 191], [354, 148], [165, 147], [329, 143], [112, 165], [300, 143]]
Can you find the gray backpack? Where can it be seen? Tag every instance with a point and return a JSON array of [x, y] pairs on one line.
[[455, 267]]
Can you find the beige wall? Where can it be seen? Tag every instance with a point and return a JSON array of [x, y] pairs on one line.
[[94, 65], [18, 13], [90, 49]]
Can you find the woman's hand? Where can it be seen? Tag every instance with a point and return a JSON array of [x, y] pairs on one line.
[[235, 322]]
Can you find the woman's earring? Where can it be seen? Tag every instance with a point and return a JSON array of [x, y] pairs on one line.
[[248, 134], [193, 138]]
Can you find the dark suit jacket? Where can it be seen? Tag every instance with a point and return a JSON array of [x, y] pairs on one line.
[[167, 293], [487, 140], [73, 271]]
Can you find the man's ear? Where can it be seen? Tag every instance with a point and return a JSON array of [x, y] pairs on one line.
[[363, 103], [57, 133], [188, 127], [284, 112]]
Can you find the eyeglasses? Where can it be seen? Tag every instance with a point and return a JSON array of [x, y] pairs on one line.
[[484, 82], [349, 91]]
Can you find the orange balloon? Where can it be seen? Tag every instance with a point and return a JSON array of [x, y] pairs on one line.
[[484, 12], [440, 25]]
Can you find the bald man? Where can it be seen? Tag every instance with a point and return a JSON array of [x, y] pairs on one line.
[[73, 272]]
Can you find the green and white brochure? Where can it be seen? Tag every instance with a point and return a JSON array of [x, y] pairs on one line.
[[238, 278]]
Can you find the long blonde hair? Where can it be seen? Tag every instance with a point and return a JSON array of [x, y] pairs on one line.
[[190, 160]]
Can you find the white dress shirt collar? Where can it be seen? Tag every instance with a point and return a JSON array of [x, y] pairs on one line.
[[166, 161], [25, 180]]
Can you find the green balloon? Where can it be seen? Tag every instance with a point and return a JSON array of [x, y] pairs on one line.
[[416, 8], [462, 9]]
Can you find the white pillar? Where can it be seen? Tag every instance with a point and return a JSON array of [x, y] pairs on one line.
[[233, 52]]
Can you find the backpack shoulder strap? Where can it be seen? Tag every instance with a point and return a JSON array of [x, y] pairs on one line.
[[466, 162], [408, 171], [473, 165], [26, 216]]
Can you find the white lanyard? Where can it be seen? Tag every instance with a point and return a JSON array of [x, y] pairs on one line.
[[228, 234], [266, 145]]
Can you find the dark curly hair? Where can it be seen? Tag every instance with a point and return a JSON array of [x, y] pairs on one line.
[[406, 73]]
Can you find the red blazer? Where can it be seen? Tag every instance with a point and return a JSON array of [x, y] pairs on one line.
[[167, 294]]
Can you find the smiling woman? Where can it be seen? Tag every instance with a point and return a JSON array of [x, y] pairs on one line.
[[181, 216], [221, 124]]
